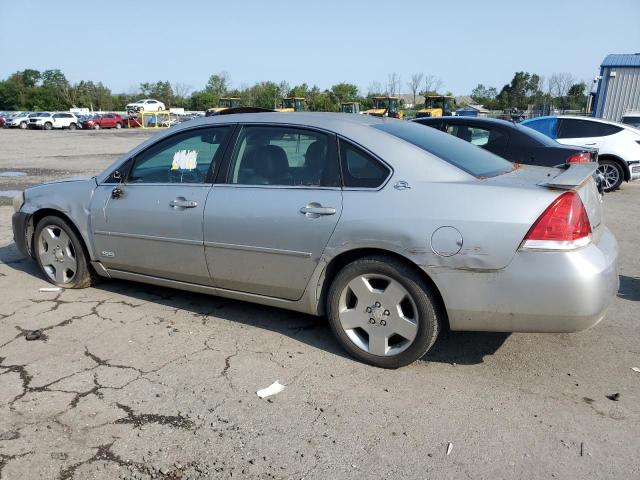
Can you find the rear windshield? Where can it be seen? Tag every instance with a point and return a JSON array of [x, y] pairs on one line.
[[464, 155]]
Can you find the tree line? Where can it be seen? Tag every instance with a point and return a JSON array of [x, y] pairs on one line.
[[50, 90]]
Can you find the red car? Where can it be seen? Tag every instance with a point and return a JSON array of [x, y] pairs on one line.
[[104, 120]]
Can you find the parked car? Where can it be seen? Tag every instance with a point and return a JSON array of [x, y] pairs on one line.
[[48, 120], [103, 120], [392, 229], [511, 141], [145, 105], [18, 120], [618, 144], [632, 119]]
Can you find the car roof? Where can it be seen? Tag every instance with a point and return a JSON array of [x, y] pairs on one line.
[[588, 119]]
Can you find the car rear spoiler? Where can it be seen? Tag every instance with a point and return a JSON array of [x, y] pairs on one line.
[[571, 177]]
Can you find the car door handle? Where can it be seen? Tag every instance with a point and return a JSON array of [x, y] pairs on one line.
[[183, 203], [590, 143], [315, 210]]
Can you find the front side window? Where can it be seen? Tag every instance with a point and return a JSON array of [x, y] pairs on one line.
[[182, 158], [285, 156], [359, 169], [573, 128]]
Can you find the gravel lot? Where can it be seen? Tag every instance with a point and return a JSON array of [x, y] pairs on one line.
[[133, 381]]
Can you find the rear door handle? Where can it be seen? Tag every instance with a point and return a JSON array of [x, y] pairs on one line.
[[182, 203], [314, 210]]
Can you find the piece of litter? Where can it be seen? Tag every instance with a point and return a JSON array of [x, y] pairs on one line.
[[33, 335], [49, 289], [273, 389], [635, 369], [614, 396], [449, 448]]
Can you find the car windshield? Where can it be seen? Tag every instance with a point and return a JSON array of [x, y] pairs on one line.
[[464, 155]]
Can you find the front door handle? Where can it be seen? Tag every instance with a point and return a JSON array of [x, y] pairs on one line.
[[181, 202], [314, 210]]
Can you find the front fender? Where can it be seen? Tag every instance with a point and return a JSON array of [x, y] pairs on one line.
[[71, 198]]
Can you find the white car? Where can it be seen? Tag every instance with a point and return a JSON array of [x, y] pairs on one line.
[[146, 105], [618, 144], [18, 120], [49, 120]]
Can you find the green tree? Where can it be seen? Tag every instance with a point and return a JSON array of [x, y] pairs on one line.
[[344, 92]]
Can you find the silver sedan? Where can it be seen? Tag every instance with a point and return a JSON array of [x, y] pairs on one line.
[[392, 230]]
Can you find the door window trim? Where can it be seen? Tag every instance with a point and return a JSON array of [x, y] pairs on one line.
[[222, 178]]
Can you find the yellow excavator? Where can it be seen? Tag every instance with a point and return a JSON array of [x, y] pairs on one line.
[[350, 107], [223, 104], [292, 104], [385, 107], [437, 106]]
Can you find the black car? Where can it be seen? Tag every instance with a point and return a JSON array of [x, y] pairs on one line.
[[511, 141]]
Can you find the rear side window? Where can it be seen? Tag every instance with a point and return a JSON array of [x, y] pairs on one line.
[[465, 156], [573, 128], [359, 169], [546, 126]]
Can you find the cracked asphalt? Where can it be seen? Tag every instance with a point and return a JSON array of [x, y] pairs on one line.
[[129, 381]]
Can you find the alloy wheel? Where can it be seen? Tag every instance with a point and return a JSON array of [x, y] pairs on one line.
[[611, 175], [378, 314], [57, 254]]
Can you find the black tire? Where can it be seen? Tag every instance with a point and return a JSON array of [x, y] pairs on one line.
[[428, 319], [608, 164], [72, 126], [48, 126], [84, 276]]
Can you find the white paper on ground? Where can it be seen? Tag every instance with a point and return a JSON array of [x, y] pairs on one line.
[[50, 289], [635, 369], [449, 448], [274, 388]]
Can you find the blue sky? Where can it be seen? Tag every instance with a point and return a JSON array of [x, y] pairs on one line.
[[123, 43]]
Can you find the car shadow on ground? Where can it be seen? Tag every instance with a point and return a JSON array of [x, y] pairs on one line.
[[629, 288], [464, 348]]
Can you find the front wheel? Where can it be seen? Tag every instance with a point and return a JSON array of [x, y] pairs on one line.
[[72, 126], [23, 125], [383, 312], [96, 127], [48, 126], [60, 254], [612, 173], [118, 125]]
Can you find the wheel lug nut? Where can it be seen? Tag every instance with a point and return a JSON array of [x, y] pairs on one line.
[[387, 313], [368, 309], [378, 304], [372, 321], [383, 323]]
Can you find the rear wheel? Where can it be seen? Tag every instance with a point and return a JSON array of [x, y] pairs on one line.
[[72, 126], [118, 125], [612, 174], [23, 125], [60, 254], [382, 312]]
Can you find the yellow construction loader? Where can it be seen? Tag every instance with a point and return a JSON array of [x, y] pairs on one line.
[[437, 106], [385, 107], [350, 107], [292, 104], [223, 104]]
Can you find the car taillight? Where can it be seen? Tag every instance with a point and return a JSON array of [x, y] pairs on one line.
[[582, 157], [564, 225]]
